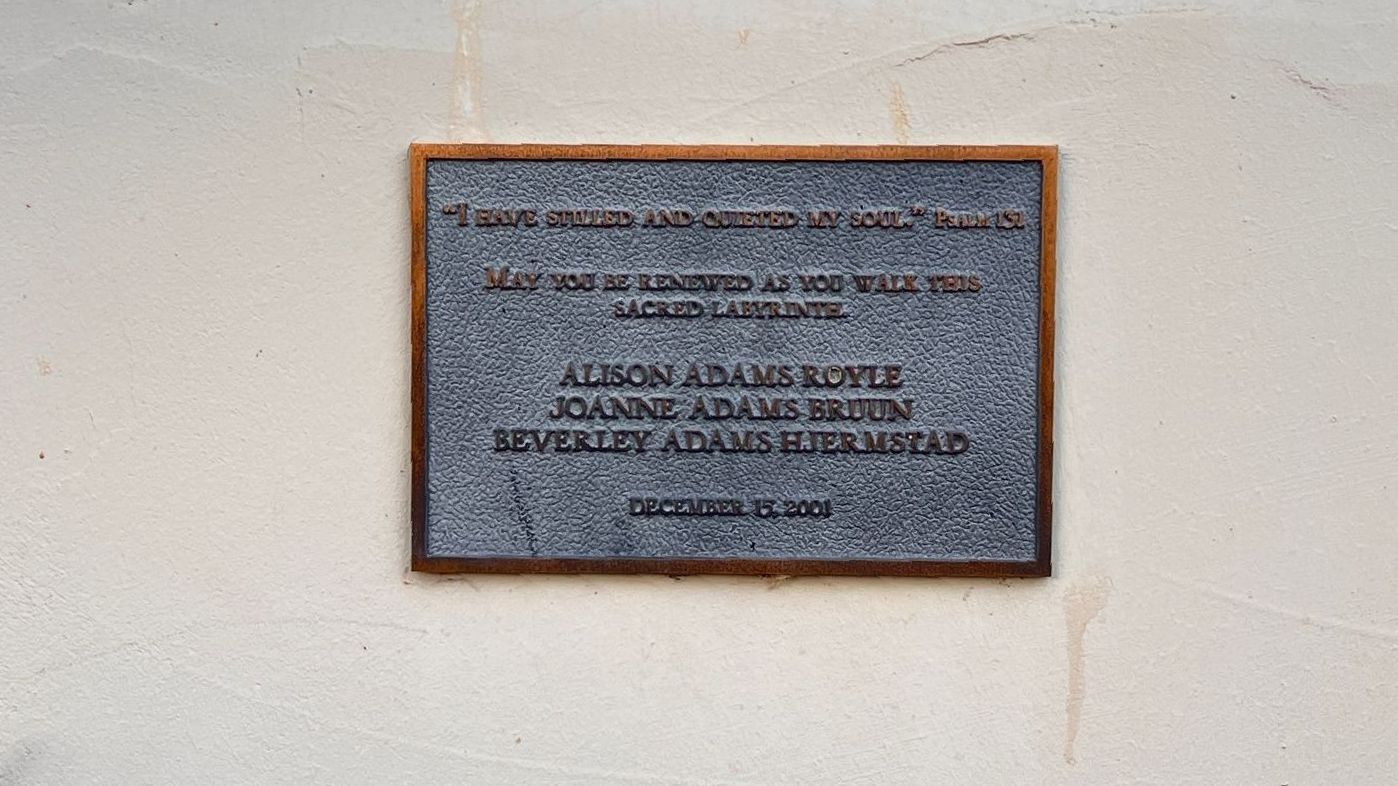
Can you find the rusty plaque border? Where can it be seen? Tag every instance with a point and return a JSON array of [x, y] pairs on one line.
[[420, 153]]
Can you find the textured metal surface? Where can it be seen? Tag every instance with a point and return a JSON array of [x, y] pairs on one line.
[[970, 363]]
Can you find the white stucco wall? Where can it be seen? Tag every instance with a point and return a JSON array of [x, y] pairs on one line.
[[204, 404]]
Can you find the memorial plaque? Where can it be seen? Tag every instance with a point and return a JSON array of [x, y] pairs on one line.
[[775, 360]]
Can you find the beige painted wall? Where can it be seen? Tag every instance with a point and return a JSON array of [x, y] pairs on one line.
[[204, 408]]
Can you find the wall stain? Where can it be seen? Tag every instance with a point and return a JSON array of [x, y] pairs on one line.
[[1081, 605], [979, 42], [17, 761], [776, 581], [1322, 88], [465, 120], [1094, 20], [1302, 616], [743, 36], [898, 112]]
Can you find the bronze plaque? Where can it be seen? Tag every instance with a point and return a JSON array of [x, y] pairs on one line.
[[774, 360]]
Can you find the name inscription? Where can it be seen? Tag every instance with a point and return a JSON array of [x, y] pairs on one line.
[[711, 420]]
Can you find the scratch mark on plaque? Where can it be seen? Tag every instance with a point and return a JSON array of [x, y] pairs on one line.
[[898, 112], [465, 120], [525, 521], [1081, 605]]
